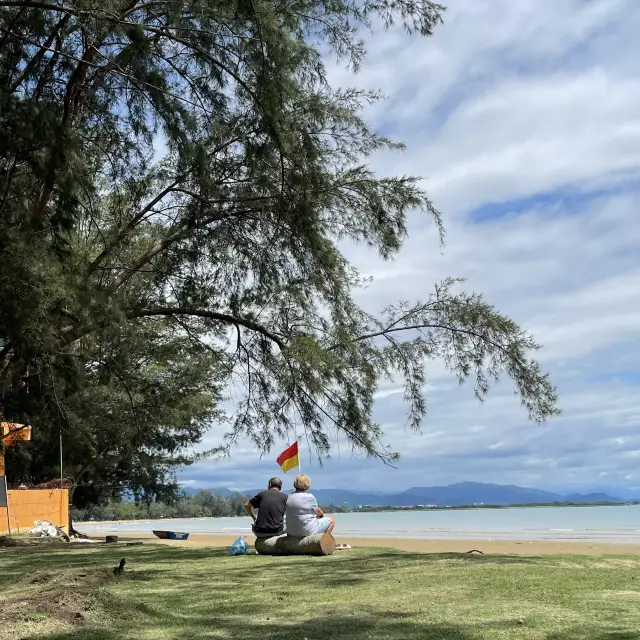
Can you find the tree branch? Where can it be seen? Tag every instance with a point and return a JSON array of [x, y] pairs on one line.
[[160, 246], [61, 8], [131, 224], [392, 329], [213, 315], [163, 33], [39, 55]]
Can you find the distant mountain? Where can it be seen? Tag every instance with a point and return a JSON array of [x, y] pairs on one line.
[[475, 492], [593, 497], [623, 492], [461, 493]]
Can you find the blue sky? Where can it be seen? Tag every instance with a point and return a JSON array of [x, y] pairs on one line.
[[523, 119]]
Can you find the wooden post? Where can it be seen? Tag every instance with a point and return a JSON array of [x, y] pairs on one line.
[[3, 482], [320, 544], [6, 489]]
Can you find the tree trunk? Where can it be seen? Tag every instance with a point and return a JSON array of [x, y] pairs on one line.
[[72, 531], [320, 544]]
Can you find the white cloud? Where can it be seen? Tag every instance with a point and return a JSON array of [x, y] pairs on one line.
[[523, 118]]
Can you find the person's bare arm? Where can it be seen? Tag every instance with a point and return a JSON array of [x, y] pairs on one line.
[[316, 508], [248, 507]]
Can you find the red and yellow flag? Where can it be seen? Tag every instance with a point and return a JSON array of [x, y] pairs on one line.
[[289, 458]]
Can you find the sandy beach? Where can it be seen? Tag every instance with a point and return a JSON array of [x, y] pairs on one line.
[[505, 547]]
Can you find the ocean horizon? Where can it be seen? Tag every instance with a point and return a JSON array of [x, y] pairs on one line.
[[600, 523]]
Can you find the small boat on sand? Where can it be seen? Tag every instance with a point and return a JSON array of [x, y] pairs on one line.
[[170, 535]]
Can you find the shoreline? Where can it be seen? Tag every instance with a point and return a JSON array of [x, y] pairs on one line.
[[239, 526], [421, 545]]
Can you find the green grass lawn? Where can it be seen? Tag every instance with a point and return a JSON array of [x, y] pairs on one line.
[[57, 593]]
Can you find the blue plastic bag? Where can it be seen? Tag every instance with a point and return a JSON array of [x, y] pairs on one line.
[[239, 548]]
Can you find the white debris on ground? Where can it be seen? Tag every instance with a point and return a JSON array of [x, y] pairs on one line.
[[44, 529]]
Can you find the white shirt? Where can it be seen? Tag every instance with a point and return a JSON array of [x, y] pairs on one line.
[[301, 514]]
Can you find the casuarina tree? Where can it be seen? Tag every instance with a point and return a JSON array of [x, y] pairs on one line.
[[179, 175]]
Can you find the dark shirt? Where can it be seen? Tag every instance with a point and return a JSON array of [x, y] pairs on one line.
[[271, 506]]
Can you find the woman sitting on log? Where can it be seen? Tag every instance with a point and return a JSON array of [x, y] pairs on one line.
[[304, 516]]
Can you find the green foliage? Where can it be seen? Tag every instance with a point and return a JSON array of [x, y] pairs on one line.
[[203, 504], [175, 179], [145, 398]]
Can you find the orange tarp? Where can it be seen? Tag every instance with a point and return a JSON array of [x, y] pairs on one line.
[[27, 506]]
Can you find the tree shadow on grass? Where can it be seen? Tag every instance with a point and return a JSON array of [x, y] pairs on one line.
[[17, 561], [589, 633], [230, 576], [380, 626], [383, 625], [20, 560], [356, 567]]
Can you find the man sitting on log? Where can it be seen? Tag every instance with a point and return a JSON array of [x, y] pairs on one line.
[[269, 521], [304, 516]]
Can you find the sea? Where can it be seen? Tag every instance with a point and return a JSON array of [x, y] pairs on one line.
[[604, 524]]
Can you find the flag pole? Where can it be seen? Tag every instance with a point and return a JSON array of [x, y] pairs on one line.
[[299, 456]]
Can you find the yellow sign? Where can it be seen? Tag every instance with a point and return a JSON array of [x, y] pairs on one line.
[[12, 433]]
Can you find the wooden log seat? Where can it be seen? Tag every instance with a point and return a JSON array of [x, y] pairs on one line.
[[320, 544]]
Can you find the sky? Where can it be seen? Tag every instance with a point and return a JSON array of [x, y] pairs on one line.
[[523, 119]]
